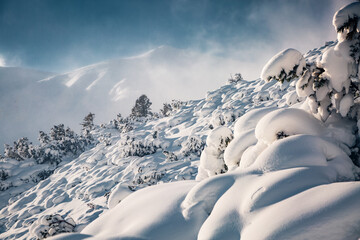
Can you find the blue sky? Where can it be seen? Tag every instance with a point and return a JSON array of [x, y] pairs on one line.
[[60, 35]]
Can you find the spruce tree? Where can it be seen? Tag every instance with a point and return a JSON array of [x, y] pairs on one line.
[[88, 124], [142, 107]]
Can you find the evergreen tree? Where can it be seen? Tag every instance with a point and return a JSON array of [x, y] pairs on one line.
[[88, 124], [57, 132], [142, 107], [43, 138]]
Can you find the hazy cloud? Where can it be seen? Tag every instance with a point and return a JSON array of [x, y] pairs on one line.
[[2, 61]]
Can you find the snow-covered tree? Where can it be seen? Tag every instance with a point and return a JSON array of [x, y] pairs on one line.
[[88, 124], [142, 107], [332, 83], [43, 138]]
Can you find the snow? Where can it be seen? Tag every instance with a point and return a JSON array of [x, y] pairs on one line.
[[345, 13], [120, 192], [238, 204], [287, 122], [346, 102], [250, 119], [337, 62], [252, 160], [286, 61], [212, 160], [106, 89], [162, 219], [101, 177]]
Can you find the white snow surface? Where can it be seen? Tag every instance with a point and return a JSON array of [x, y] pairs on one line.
[[289, 175], [285, 61], [100, 178]]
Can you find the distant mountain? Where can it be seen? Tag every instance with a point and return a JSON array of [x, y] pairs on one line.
[[33, 101]]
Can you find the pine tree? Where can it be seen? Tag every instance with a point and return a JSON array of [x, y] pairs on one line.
[[142, 107], [57, 132], [43, 138], [88, 124]]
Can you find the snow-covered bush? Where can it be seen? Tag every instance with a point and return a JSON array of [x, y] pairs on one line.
[[170, 156], [22, 149], [236, 79], [192, 145], [50, 225], [212, 157], [169, 108], [105, 138], [166, 110], [3, 175], [286, 65], [137, 147], [61, 143]]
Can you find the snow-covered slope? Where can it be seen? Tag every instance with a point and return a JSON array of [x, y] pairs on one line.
[[252, 160], [85, 188], [105, 88], [155, 151]]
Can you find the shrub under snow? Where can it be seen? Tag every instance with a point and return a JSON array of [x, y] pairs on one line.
[[50, 225], [285, 65], [212, 157]]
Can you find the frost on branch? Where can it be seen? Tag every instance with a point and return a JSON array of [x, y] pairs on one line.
[[285, 65]]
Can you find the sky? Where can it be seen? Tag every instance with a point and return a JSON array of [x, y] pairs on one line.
[[59, 36]]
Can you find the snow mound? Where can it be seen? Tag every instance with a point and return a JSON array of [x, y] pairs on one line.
[[287, 62], [237, 204], [286, 122], [212, 160], [345, 13]]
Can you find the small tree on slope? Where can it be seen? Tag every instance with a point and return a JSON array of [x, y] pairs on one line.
[[88, 124], [142, 107]]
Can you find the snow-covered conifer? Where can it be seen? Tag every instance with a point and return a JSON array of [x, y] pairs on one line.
[[332, 83], [142, 107], [88, 124]]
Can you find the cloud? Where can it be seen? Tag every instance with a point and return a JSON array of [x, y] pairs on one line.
[[2, 61]]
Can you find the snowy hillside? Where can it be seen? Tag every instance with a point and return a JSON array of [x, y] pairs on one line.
[[273, 158], [105, 88], [102, 176]]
